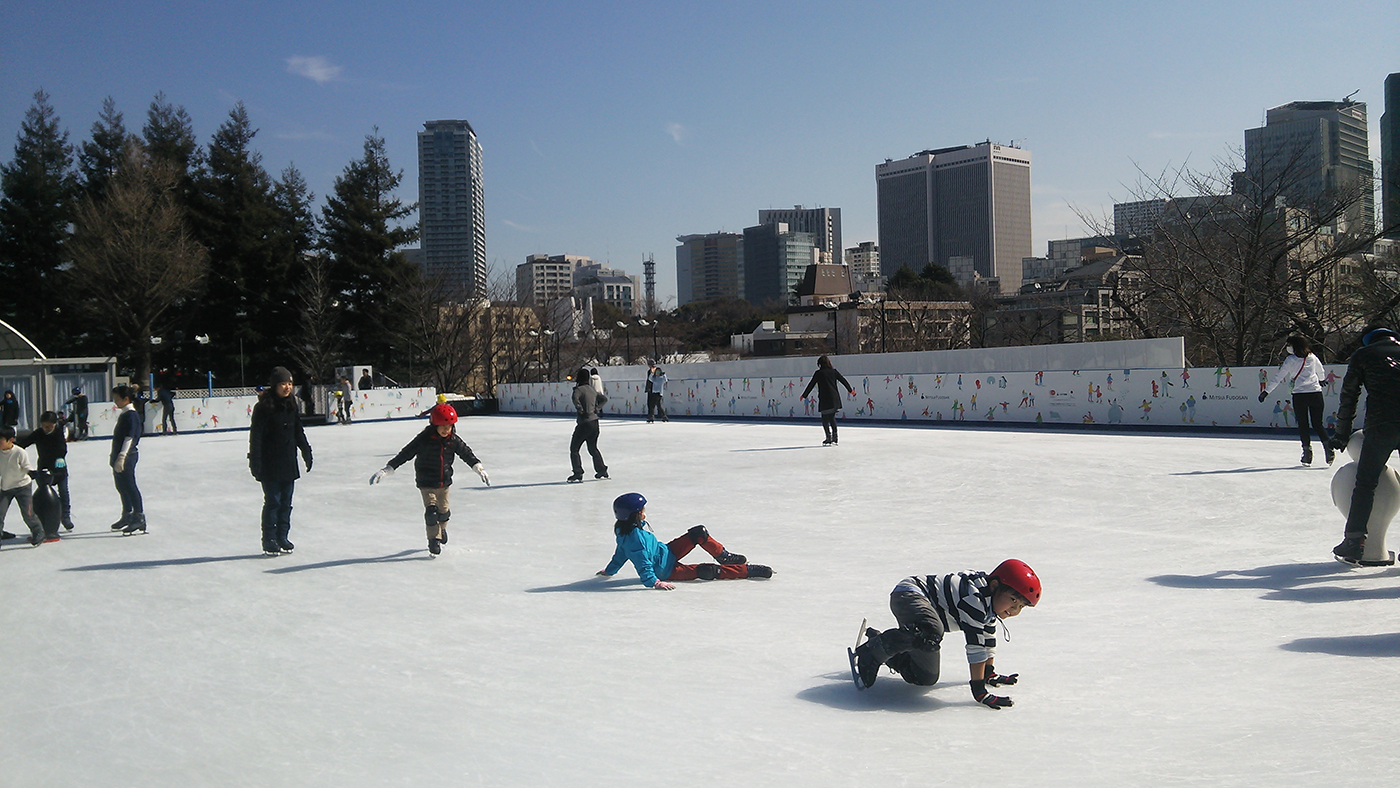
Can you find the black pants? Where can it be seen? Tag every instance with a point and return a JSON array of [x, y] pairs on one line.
[[829, 424], [277, 511], [915, 612], [1379, 441], [1308, 410], [125, 482], [586, 432], [654, 404]]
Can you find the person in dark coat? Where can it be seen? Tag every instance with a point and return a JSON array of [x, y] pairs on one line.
[[273, 440], [432, 452], [587, 399], [1376, 366], [53, 457], [828, 396], [166, 397], [9, 410], [366, 382], [79, 401], [126, 441]]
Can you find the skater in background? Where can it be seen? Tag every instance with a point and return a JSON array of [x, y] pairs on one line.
[[828, 396], [587, 399], [126, 441], [596, 381], [929, 606], [366, 382], [308, 395], [658, 563], [79, 401], [1375, 366], [14, 484], [347, 398], [139, 398], [432, 452], [165, 395], [656, 394], [53, 457], [9, 410], [274, 438], [1305, 372]]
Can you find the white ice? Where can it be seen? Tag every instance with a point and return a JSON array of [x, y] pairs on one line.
[[1194, 629]]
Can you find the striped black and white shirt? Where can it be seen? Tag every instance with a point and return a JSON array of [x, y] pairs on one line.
[[963, 602]]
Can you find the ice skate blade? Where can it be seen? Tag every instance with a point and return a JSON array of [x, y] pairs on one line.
[[1388, 562], [1347, 561]]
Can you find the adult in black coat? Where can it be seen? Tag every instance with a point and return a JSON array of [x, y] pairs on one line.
[[1375, 366], [273, 440], [828, 396], [9, 410], [53, 457]]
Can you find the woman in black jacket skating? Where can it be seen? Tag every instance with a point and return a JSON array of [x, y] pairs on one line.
[[273, 441], [828, 396]]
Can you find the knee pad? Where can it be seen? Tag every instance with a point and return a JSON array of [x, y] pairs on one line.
[[443, 517], [430, 516], [698, 533]]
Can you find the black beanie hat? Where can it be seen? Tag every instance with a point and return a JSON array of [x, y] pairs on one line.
[[279, 375]]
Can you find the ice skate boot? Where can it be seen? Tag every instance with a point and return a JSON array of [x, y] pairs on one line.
[[1350, 550], [603, 474], [1307, 455], [442, 535], [4, 535], [68, 523], [434, 546], [122, 523], [574, 478], [138, 523], [1330, 455], [727, 557], [36, 537], [759, 570], [270, 548], [285, 546]]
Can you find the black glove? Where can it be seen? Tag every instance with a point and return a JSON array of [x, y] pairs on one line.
[[1263, 395], [980, 694], [1340, 441], [308, 461], [991, 679]]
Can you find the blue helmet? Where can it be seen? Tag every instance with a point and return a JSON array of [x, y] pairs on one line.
[[1378, 333], [77, 391], [626, 506]]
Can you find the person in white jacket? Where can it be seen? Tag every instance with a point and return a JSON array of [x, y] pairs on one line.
[[15, 470], [1304, 374]]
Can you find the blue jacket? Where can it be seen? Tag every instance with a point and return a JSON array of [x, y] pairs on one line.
[[652, 558]]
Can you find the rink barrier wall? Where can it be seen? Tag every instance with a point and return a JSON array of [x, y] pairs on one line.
[[213, 414], [1192, 398]]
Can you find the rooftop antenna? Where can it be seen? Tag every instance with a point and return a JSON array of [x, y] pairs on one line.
[[1347, 99], [649, 265]]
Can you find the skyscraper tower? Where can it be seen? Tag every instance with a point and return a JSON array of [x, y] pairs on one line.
[[823, 223], [1313, 150], [452, 206], [1390, 156], [966, 208]]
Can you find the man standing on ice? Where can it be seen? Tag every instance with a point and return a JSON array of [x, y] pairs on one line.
[[1376, 365], [587, 399]]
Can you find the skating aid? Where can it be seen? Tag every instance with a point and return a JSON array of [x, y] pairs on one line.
[[851, 655]]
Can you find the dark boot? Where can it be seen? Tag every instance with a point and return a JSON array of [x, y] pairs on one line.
[[122, 523], [878, 648], [727, 557], [1307, 455], [138, 523], [434, 546], [443, 517], [1351, 548], [759, 570]]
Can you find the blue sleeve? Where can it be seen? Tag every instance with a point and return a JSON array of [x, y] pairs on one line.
[[619, 558], [636, 552]]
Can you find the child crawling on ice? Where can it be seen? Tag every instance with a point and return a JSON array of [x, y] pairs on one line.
[[656, 563], [929, 606]]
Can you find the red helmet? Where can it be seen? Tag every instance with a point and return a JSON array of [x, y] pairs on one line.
[[1014, 574], [443, 414]]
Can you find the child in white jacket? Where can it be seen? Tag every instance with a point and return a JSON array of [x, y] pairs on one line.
[[1304, 374], [14, 484]]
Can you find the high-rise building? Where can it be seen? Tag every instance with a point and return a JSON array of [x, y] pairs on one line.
[[452, 205], [1138, 219], [609, 285], [709, 266], [966, 208], [543, 278], [864, 260], [1312, 151], [775, 260], [1390, 156], [823, 223]]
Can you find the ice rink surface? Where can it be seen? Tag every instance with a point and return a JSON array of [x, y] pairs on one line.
[[1194, 629]]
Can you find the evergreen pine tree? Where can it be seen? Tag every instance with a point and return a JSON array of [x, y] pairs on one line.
[[101, 154], [362, 231], [38, 190]]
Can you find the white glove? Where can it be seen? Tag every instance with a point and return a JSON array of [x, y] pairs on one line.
[[120, 464], [480, 471], [380, 474]]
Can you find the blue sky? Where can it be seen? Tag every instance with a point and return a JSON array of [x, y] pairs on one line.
[[608, 129]]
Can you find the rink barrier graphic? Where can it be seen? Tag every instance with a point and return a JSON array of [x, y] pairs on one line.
[[213, 414], [1192, 397]]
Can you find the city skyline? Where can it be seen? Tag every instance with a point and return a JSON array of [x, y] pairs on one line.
[[607, 133]]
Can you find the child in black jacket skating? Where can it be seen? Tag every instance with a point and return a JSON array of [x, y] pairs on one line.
[[433, 451]]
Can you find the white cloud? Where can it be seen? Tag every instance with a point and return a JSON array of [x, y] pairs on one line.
[[315, 68], [524, 228], [677, 132]]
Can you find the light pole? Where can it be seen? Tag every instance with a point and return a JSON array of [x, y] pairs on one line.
[[628, 334], [655, 352], [539, 363], [549, 368], [835, 327]]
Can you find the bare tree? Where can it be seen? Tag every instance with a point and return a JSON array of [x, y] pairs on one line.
[[319, 344], [1239, 259], [134, 259]]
